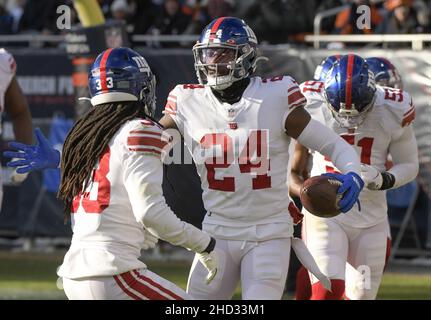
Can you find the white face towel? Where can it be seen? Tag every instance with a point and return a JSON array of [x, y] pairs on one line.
[[307, 260]]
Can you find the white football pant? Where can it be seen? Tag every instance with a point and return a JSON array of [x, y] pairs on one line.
[[260, 266], [139, 284], [332, 244]]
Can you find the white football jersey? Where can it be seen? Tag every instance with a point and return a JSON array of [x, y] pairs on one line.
[[124, 196], [7, 71], [392, 113], [241, 153]]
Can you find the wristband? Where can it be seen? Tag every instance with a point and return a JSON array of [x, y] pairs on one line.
[[210, 246], [388, 180]]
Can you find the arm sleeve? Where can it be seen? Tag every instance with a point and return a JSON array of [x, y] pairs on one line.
[[404, 152], [142, 176], [320, 138]]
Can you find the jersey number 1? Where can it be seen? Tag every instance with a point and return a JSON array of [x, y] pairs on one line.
[[365, 143]]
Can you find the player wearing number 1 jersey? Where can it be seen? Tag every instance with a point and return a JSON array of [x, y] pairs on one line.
[[376, 121], [238, 129]]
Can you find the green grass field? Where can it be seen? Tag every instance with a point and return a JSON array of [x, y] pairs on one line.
[[33, 276]]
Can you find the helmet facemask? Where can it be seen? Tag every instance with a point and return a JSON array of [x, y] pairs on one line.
[[362, 99], [394, 80], [220, 65], [350, 118], [148, 96]]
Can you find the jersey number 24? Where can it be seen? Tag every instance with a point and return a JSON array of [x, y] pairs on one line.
[[257, 143]]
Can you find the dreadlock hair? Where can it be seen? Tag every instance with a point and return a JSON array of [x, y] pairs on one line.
[[87, 140]]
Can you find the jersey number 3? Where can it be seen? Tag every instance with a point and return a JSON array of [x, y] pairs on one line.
[[256, 143]]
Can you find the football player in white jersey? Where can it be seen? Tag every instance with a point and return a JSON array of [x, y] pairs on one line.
[[111, 184], [238, 129], [13, 101], [303, 285], [385, 74], [376, 121]]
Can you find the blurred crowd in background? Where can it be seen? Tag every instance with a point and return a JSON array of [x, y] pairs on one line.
[[274, 21]]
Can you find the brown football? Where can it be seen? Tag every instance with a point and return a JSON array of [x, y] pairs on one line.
[[319, 196]]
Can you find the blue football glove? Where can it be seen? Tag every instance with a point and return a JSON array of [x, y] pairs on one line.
[[351, 186], [29, 158]]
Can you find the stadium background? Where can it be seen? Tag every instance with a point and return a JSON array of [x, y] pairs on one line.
[[33, 237]]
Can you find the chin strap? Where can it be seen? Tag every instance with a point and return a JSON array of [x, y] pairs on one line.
[[259, 59], [234, 92]]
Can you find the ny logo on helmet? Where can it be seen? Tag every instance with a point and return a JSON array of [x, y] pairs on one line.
[[250, 33], [142, 64]]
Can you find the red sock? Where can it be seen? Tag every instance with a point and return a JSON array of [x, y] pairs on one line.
[[320, 293], [388, 251], [303, 285]]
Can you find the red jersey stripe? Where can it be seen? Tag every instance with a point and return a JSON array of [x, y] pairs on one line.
[[171, 105], [146, 150], [292, 89], [299, 104], [407, 120], [294, 97], [145, 141], [152, 133], [410, 110], [409, 113]]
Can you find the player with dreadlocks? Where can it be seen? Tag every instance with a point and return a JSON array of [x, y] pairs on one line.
[[111, 183], [88, 139]]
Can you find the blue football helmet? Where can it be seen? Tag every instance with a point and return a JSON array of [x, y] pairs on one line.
[[225, 52], [122, 74], [323, 68], [350, 90], [385, 72]]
